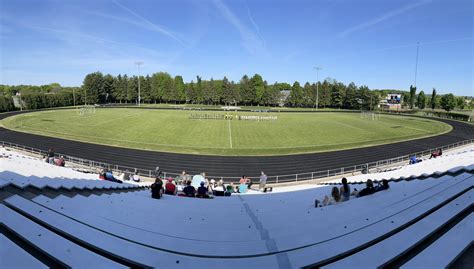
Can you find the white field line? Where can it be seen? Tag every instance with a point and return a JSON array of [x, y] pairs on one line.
[[230, 135]]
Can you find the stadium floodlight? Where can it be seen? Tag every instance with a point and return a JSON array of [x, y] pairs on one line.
[[416, 62], [317, 84], [138, 65]]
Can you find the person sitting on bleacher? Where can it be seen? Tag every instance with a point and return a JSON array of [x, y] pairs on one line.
[[156, 189], [437, 153], [414, 160], [170, 187], [219, 189], [60, 161], [383, 186], [136, 177], [110, 177], [202, 191], [369, 189], [345, 190], [50, 156], [333, 200], [189, 190]]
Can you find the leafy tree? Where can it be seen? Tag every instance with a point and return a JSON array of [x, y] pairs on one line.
[[337, 94], [92, 86], [448, 102], [180, 89], [296, 95], [258, 88], [145, 89], [433, 99], [350, 99], [412, 96], [108, 88], [421, 100], [460, 102], [247, 94]]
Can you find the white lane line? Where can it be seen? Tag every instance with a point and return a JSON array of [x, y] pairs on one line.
[[230, 135]]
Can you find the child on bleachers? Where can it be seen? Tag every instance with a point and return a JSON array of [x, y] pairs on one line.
[[333, 200], [345, 190]]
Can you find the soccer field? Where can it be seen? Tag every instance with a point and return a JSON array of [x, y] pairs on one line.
[[174, 131]]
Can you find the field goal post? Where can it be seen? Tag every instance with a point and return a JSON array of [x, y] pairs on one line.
[[86, 110], [370, 115]]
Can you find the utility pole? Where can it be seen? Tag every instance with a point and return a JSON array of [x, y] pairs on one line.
[[416, 63], [317, 85], [138, 65]]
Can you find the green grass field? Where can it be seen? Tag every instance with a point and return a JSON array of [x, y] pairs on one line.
[[173, 131]]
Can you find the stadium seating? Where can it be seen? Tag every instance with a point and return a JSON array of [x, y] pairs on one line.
[[274, 230], [459, 158]]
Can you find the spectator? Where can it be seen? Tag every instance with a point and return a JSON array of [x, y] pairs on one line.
[[219, 189], [212, 186], [333, 200], [263, 181], [60, 161], [229, 189], [414, 160], [345, 190], [189, 190], [369, 189], [383, 186], [136, 177], [102, 174], [156, 189], [249, 182], [436, 153], [157, 172], [243, 180], [122, 176], [202, 191], [110, 177], [183, 178], [50, 156], [170, 187]]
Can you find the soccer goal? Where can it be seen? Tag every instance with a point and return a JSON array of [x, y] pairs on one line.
[[86, 110]]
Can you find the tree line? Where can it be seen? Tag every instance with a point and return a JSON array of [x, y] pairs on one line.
[[161, 87]]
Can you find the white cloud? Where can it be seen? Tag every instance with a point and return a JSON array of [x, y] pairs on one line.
[[382, 18], [249, 39]]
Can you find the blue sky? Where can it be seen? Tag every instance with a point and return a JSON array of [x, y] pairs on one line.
[[371, 42]]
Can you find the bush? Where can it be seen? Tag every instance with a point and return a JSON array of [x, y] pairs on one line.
[[6, 104]]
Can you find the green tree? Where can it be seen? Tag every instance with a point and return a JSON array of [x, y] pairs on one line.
[[412, 96], [180, 89], [337, 94], [295, 98], [448, 102], [92, 86], [145, 89], [433, 99], [258, 88], [106, 95], [421, 100], [460, 102], [247, 94]]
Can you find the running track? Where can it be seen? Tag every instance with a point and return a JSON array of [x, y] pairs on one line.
[[236, 166]]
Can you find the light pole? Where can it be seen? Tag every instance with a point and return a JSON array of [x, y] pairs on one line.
[[138, 65], [317, 85], [416, 63]]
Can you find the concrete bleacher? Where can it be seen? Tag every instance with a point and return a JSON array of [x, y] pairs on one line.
[[277, 230], [457, 159], [40, 177]]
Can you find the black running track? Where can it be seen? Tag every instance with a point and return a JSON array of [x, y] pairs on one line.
[[229, 166]]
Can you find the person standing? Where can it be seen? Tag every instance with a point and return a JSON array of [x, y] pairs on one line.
[[263, 181]]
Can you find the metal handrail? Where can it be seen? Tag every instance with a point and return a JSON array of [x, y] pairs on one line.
[[271, 179]]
